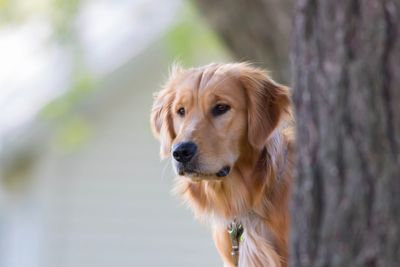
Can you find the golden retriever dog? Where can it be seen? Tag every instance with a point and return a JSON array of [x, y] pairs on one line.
[[229, 131]]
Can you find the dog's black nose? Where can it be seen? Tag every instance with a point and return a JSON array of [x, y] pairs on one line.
[[184, 152]]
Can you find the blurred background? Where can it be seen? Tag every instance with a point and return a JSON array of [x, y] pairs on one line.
[[81, 183]]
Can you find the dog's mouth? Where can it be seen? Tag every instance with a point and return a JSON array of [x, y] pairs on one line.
[[223, 172], [199, 175]]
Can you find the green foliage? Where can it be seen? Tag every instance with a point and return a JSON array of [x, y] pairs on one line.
[[191, 41], [60, 12], [14, 172], [71, 130], [5, 11], [63, 13], [64, 105], [72, 134]]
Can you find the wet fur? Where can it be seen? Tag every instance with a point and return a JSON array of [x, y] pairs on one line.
[[256, 191]]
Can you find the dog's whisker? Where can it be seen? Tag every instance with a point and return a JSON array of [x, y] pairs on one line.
[[164, 169]]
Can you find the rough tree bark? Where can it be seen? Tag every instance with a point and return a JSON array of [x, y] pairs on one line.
[[346, 78], [255, 30]]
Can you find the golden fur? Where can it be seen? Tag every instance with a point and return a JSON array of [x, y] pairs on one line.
[[254, 137]]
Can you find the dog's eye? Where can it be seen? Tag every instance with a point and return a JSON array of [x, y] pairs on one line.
[[181, 112], [220, 109]]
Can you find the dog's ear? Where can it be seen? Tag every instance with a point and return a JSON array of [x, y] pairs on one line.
[[161, 121], [267, 102], [161, 114]]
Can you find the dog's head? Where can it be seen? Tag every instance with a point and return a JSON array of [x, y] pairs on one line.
[[211, 117]]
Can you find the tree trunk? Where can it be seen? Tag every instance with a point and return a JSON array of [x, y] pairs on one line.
[[346, 78], [255, 30]]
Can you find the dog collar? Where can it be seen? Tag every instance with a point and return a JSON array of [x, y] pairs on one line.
[[235, 231]]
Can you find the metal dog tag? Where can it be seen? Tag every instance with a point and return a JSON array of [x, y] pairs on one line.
[[235, 230]]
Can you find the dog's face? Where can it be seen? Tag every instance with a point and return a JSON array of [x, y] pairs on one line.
[[208, 118]]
